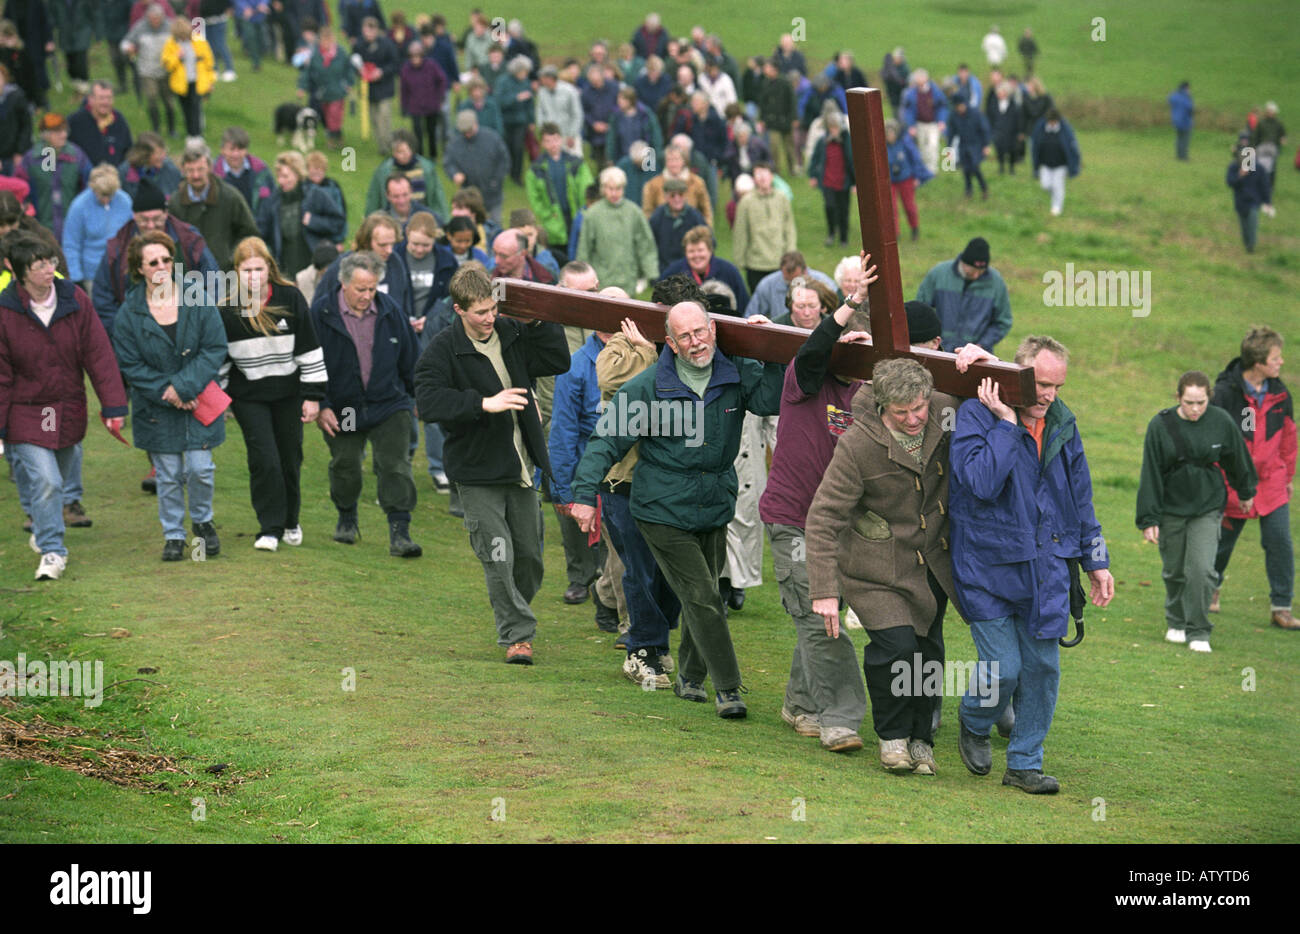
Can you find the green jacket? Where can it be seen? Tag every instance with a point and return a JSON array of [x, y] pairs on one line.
[[545, 201], [434, 198], [151, 362], [685, 477], [764, 231], [489, 116], [1192, 487], [616, 240], [327, 83], [77, 23], [223, 217]]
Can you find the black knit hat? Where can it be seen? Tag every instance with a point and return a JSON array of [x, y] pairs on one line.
[[976, 253], [148, 198], [923, 322]]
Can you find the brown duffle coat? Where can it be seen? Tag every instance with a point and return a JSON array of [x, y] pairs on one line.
[[879, 520]]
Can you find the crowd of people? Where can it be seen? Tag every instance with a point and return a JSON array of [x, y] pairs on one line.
[[880, 511]]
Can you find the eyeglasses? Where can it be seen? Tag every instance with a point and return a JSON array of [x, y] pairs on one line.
[[43, 265], [160, 261], [698, 336]]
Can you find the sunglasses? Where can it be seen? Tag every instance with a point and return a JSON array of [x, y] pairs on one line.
[[160, 261]]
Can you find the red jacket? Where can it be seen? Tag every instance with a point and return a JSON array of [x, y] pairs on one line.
[[42, 386], [1271, 439]]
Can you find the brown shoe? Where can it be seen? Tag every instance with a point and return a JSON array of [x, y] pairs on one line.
[[75, 517], [1214, 601], [1284, 620], [521, 653]]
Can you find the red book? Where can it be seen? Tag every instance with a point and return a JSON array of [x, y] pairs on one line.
[[212, 402]]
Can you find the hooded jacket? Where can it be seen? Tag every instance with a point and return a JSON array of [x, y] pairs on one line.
[[1271, 438]]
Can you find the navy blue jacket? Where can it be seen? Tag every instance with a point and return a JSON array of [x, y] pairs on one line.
[[392, 369], [721, 270], [396, 283], [574, 413], [1016, 517], [444, 268]]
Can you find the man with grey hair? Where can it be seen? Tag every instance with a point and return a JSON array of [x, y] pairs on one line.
[[215, 207], [477, 156], [683, 494], [1023, 524], [616, 238], [558, 102], [925, 115], [370, 352]]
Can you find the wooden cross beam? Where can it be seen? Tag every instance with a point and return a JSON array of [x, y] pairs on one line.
[[520, 298]]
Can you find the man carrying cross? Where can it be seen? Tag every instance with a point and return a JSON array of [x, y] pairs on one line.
[[687, 413]]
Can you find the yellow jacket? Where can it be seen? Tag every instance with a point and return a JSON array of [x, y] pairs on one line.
[[205, 74]]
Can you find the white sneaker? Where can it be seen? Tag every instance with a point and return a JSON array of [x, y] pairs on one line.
[[52, 566], [1175, 635], [266, 543], [228, 76], [1056, 212], [293, 536], [1199, 645], [851, 620], [31, 543]]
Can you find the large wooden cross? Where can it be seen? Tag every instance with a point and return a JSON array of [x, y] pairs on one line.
[[773, 342]]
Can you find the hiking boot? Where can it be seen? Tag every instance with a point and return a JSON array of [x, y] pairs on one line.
[[1176, 635], [1007, 721], [805, 724], [642, 667], [1214, 601], [1031, 781], [174, 549], [399, 541], [1283, 619], [894, 756], [976, 751], [840, 739], [150, 483], [922, 754], [521, 653], [51, 567], [346, 532], [689, 690], [730, 706], [75, 517], [208, 532], [575, 594], [606, 616], [620, 640]]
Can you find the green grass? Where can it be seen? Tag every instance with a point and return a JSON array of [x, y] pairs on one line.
[[250, 648]]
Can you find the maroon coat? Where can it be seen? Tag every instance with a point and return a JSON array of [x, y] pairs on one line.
[[42, 386]]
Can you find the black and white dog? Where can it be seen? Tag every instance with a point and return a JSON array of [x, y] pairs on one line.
[[298, 123]]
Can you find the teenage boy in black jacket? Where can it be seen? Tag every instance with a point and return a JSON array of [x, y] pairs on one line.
[[475, 379]]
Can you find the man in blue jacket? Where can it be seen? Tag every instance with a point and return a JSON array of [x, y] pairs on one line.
[[1020, 498], [1181, 109], [370, 351]]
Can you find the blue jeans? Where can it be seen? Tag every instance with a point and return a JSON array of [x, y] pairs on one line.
[[652, 605], [1028, 669], [1279, 561], [192, 471], [41, 474], [72, 489], [433, 439], [216, 32]]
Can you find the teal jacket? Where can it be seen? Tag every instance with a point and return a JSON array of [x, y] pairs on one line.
[[685, 477], [327, 83], [151, 362], [976, 311], [434, 198]]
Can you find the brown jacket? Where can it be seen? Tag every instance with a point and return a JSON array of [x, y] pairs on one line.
[[879, 521], [615, 365], [697, 196]]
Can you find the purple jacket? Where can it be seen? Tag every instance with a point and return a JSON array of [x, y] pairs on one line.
[[423, 88]]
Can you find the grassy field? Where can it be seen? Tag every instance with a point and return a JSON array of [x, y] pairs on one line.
[[438, 738]]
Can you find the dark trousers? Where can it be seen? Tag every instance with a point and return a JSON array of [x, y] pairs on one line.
[[1006, 160], [752, 279], [651, 603], [692, 562], [78, 65], [582, 562], [977, 175], [515, 133], [1181, 139], [426, 125], [273, 439], [890, 662], [192, 109], [390, 441], [837, 213], [1279, 559]]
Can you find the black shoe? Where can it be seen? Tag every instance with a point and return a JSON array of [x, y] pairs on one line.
[[150, 483], [575, 594], [346, 532], [174, 549], [1006, 721], [730, 706], [689, 690], [737, 598], [399, 541], [207, 532], [724, 591], [606, 616], [976, 751], [1031, 781], [916, 234]]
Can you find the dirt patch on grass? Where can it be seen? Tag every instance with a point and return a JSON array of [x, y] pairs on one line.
[[38, 740]]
